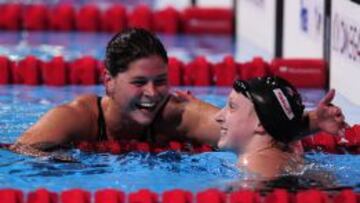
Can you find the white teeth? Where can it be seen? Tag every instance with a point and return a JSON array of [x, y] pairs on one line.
[[147, 104], [223, 131]]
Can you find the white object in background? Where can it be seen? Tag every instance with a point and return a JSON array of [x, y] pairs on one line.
[[256, 24], [215, 3], [345, 49], [303, 34], [177, 4]]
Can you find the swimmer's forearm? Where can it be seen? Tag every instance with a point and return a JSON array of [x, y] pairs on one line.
[[30, 150], [310, 123], [199, 117], [27, 150]]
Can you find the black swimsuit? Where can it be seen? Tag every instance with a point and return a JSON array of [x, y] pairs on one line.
[[101, 122], [148, 136]]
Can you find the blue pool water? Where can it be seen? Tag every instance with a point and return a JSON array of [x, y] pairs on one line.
[[21, 106]]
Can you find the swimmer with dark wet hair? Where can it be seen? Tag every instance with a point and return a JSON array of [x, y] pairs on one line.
[[139, 105], [262, 122]]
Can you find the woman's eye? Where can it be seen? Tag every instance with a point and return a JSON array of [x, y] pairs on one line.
[[138, 83], [231, 107], [160, 82]]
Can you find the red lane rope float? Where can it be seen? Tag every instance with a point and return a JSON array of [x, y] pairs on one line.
[[11, 196], [84, 71], [75, 196], [325, 142], [200, 72], [141, 17], [211, 195], [144, 195], [10, 16], [56, 72], [167, 21], [114, 18], [88, 19], [277, 196], [119, 147], [6, 68], [109, 196], [321, 141], [28, 71], [178, 196], [42, 196], [255, 68], [36, 17], [244, 196], [175, 72], [226, 72], [62, 18]]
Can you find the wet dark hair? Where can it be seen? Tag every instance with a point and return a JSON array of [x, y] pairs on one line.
[[130, 45]]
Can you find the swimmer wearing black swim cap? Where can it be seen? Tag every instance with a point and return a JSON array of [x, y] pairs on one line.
[[277, 104], [261, 122]]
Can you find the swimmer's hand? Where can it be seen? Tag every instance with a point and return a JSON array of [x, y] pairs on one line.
[[328, 117], [183, 96]]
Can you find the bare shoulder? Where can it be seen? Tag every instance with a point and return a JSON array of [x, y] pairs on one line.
[[79, 108], [83, 109], [63, 123], [84, 102]]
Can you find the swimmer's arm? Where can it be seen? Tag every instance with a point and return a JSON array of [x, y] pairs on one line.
[[55, 128], [184, 116], [199, 122]]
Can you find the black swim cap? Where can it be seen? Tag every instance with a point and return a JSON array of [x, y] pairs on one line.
[[277, 104]]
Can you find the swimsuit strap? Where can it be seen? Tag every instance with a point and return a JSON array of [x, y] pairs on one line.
[[101, 122]]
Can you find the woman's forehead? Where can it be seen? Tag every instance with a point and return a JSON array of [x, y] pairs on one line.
[[152, 66], [239, 98]]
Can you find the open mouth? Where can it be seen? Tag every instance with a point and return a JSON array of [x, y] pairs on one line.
[[223, 131], [146, 106]]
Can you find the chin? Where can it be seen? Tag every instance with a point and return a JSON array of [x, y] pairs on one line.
[[222, 144], [142, 119]]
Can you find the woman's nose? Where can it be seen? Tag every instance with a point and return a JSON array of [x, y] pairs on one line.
[[219, 117], [150, 89]]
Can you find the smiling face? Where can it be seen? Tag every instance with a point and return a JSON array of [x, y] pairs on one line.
[[139, 91], [238, 122]]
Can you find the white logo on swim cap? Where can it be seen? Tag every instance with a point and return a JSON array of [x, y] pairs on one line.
[[284, 103]]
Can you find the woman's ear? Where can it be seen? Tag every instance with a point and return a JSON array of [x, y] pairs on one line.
[[259, 129], [109, 83]]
